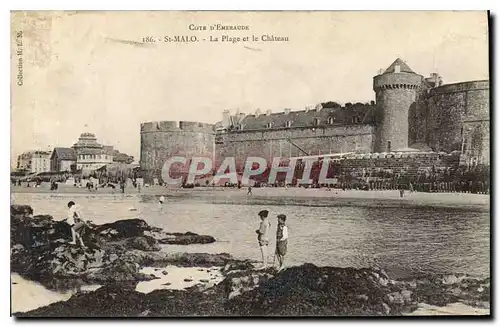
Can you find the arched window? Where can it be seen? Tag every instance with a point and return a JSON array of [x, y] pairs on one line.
[[316, 121], [270, 124], [330, 120], [289, 123]]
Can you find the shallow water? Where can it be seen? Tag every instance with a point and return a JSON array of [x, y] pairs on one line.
[[404, 241], [27, 295]]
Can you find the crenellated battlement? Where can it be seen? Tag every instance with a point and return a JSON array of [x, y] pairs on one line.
[[176, 126], [398, 86], [397, 81]]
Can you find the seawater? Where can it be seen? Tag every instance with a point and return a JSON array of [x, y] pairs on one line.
[[410, 240], [403, 241]]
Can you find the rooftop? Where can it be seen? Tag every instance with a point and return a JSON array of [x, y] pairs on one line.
[[403, 67], [357, 113], [65, 153]]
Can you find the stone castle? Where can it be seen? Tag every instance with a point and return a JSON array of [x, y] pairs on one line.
[[411, 113]]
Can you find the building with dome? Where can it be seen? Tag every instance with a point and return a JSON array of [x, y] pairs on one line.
[[86, 155], [91, 155]]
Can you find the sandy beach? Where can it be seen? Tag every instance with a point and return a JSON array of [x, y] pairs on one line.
[[287, 196]]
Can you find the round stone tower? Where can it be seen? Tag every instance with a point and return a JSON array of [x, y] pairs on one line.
[[396, 91], [165, 139]]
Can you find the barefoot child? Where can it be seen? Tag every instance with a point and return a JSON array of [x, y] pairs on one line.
[[281, 241], [75, 222], [263, 236]]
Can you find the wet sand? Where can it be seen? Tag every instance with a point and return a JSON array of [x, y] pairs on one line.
[[288, 196], [448, 310]]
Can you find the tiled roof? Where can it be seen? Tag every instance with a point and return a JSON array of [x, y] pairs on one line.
[[65, 153], [90, 151], [403, 67], [354, 114], [108, 149]]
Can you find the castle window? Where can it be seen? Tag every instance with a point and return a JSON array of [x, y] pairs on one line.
[[388, 146], [330, 120], [289, 123], [270, 124], [397, 69], [316, 121]]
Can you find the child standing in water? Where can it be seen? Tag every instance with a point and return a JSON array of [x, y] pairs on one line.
[[281, 241], [263, 236], [160, 203]]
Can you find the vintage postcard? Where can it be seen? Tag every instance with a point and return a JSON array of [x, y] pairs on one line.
[[227, 164]]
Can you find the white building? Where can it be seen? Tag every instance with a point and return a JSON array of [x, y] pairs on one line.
[[91, 155], [34, 161]]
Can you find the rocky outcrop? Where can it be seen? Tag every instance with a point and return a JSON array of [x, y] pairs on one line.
[[114, 252], [32, 231], [305, 290], [181, 259], [117, 251], [180, 238]]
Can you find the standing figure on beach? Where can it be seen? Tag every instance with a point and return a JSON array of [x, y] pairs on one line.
[[249, 190], [401, 192], [263, 236], [160, 203], [281, 241], [73, 219], [122, 186]]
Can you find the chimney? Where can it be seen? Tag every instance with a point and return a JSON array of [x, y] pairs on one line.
[[287, 111], [268, 112], [258, 112], [319, 107], [308, 108]]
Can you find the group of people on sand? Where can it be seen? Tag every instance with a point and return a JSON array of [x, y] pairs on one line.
[[281, 239]]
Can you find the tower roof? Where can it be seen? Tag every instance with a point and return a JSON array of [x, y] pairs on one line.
[[403, 67]]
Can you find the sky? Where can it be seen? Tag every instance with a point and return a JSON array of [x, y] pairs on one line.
[[88, 72]]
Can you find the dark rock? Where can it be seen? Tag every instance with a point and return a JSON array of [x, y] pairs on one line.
[[160, 259], [309, 290], [164, 272], [167, 284], [305, 290], [186, 239], [20, 211], [188, 280], [237, 265], [125, 228], [204, 280], [143, 243], [114, 251]]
